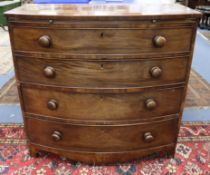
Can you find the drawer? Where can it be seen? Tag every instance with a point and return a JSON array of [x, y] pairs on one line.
[[110, 138], [102, 41], [101, 106], [102, 74]]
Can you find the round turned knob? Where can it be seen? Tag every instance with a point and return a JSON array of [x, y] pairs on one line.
[[148, 137], [156, 72], [52, 104], [150, 104], [56, 135], [159, 41], [49, 72], [45, 41]]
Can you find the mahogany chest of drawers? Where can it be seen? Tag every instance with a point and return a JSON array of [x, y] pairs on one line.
[[102, 83]]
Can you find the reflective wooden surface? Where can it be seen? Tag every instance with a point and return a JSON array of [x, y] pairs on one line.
[[102, 83], [98, 10]]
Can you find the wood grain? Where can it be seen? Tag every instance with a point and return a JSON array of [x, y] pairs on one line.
[[102, 74], [95, 41], [84, 77], [86, 106], [133, 11], [101, 138], [104, 158]]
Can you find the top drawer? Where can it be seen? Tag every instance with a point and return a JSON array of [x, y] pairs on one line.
[[103, 41]]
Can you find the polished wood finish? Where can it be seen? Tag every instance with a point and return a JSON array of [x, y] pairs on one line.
[[102, 83], [109, 74], [101, 158], [104, 12], [96, 106], [101, 138], [96, 41]]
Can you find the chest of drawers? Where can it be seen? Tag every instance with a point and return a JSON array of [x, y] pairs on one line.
[[102, 83]]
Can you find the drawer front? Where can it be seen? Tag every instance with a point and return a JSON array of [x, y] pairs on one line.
[[102, 74], [93, 41], [101, 138], [102, 107]]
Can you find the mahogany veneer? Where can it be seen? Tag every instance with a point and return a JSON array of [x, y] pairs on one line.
[[102, 83]]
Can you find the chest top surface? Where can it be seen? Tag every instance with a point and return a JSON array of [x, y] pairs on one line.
[[99, 11]]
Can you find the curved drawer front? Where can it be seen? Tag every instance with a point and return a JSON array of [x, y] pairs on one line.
[[102, 74], [101, 138], [102, 107], [93, 41]]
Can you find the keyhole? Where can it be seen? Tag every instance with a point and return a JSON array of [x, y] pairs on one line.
[[101, 97], [102, 66], [102, 34]]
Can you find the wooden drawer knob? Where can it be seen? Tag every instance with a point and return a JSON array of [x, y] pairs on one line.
[[45, 41], [148, 137], [52, 104], [49, 72], [56, 135], [150, 104], [156, 72], [159, 41]]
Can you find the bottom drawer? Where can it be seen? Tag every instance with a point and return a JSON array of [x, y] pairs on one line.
[[101, 138]]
